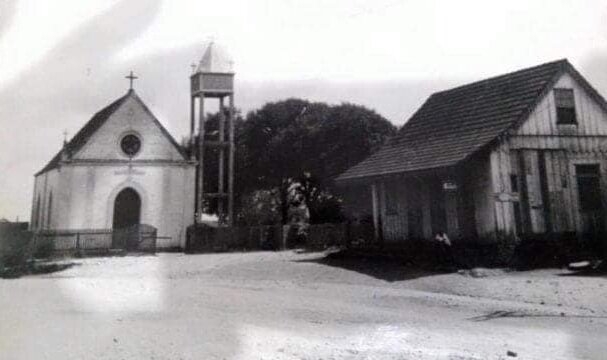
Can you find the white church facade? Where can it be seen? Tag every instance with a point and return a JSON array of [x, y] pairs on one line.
[[122, 168]]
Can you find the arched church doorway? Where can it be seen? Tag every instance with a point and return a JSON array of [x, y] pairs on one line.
[[127, 209], [127, 214]]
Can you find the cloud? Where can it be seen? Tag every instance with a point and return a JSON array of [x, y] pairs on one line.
[[48, 97], [8, 10]]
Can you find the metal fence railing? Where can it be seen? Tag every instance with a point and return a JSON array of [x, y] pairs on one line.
[[136, 238]]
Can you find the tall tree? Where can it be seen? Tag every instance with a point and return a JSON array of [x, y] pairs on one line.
[[291, 137], [284, 140]]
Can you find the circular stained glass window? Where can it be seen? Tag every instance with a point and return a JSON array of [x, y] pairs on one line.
[[130, 144]]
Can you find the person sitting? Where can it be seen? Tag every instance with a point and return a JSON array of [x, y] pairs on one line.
[[445, 255]]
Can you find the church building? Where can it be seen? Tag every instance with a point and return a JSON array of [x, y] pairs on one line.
[[121, 169]]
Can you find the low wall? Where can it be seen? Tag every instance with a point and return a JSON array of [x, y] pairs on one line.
[[203, 238]]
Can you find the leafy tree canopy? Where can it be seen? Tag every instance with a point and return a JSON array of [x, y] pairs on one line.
[[283, 140], [288, 138]]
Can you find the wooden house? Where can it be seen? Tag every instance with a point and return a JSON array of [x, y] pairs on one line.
[[523, 153]]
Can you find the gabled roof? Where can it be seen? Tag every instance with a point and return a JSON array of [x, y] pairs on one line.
[[454, 124], [85, 133]]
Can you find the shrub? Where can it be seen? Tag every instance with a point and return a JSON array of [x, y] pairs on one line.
[[495, 250], [44, 250], [505, 248], [326, 208], [548, 250], [14, 251], [261, 207]]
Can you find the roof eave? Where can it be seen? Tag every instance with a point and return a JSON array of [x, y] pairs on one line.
[[368, 179]]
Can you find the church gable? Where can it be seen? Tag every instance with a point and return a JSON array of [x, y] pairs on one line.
[[129, 131]]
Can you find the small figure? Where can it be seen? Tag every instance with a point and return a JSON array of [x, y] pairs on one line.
[[445, 254]]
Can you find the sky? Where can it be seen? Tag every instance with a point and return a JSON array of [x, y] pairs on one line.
[[62, 61]]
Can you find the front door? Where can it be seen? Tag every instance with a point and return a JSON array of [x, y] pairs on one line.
[[127, 214], [590, 199]]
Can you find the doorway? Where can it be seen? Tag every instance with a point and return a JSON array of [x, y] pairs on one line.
[[590, 199], [127, 214], [127, 209]]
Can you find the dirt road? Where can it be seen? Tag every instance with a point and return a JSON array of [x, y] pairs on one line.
[[296, 306]]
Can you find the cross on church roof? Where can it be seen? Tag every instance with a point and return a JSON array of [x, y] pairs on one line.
[[131, 77]]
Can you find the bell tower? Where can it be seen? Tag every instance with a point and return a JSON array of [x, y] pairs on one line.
[[213, 79]]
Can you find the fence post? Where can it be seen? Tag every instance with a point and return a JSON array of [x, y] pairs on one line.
[[284, 232], [77, 240]]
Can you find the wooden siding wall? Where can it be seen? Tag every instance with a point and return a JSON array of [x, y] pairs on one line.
[[405, 196], [480, 181], [408, 200], [550, 207], [592, 119], [543, 156], [394, 220]]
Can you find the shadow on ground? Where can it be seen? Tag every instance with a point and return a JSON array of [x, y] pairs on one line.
[[380, 267], [37, 269], [519, 314]]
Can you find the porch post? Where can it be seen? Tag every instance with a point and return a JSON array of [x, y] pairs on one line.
[[426, 210], [375, 204], [451, 196]]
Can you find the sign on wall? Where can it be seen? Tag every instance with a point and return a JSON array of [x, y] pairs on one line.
[[449, 185]]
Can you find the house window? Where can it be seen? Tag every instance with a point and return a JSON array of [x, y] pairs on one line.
[[565, 107]]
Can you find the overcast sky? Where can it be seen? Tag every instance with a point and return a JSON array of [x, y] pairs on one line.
[[62, 61]]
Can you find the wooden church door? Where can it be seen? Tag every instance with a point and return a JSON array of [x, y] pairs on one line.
[[127, 214]]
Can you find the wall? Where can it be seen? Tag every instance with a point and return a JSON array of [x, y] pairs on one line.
[[393, 205], [592, 119], [131, 116], [477, 214], [165, 191], [84, 187], [45, 185], [543, 156], [408, 207]]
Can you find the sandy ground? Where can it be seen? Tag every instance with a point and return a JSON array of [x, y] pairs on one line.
[[286, 305]]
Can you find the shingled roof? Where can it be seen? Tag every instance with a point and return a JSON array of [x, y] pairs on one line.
[[85, 133], [454, 124]]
